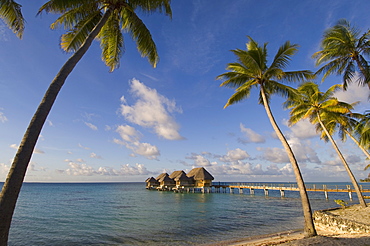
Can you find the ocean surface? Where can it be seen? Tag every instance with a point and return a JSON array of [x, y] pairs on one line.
[[128, 214]]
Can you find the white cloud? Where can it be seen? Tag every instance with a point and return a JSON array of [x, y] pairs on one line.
[[3, 118], [76, 169], [91, 126], [50, 123], [4, 168], [199, 160], [93, 155], [234, 155], [276, 155], [36, 151], [83, 147], [251, 135], [302, 150], [353, 94], [302, 129], [131, 140], [250, 170], [152, 110]]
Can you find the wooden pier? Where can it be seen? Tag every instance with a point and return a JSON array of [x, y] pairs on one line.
[[231, 187]]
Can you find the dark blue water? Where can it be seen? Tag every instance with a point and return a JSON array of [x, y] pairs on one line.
[[128, 214]]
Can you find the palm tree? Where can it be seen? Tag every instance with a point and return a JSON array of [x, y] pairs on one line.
[[344, 49], [363, 130], [251, 70], [319, 108], [85, 21], [11, 14], [347, 125]]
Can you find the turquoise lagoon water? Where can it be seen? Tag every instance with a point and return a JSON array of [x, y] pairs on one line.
[[128, 214]]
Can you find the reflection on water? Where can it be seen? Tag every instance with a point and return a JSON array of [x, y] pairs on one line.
[[128, 214]]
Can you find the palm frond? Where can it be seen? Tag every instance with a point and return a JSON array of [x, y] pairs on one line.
[[162, 6], [75, 37], [111, 42], [241, 93], [63, 6], [140, 34], [11, 14], [284, 54]]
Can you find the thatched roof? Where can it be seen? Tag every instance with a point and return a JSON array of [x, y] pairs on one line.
[[200, 173], [183, 177], [151, 180], [161, 176], [165, 178], [175, 174]]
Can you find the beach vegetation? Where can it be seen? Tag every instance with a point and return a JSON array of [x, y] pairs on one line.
[[85, 21], [251, 71], [343, 52], [11, 14], [322, 108], [342, 203]]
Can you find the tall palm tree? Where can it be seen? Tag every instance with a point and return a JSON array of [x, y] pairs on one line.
[[11, 14], [252, 71], [85, 21], [344, 49], [363, 130], [347, 125], [319, 108]]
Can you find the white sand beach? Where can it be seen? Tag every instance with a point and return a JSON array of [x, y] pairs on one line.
[[326, 236]]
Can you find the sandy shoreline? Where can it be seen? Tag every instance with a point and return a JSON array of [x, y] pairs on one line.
[[325, 237], [296, 238]]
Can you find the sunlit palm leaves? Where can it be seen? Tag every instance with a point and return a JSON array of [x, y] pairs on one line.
[[320, 108], [79, 17], [344, 50], [10, 13], [252, 71]]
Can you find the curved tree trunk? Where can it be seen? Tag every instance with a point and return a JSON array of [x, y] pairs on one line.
[[345, 164], [309, 227], [358, 144], [17, 172]]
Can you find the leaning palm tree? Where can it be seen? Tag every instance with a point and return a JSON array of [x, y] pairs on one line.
[[252, 71], [363, 130], [85, 20], [11, 14], [344, 50], [310, 103], [347, 125]]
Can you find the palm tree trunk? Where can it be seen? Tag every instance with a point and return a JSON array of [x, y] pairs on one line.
[[17, 172], [350, 174], [309, 227], [358, 144]]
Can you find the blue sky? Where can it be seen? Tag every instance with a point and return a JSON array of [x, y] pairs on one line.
[[139, 121]]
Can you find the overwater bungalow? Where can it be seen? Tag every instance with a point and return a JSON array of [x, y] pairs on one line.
[[151, 183], [179, 180], [165, 182], [202, 178]]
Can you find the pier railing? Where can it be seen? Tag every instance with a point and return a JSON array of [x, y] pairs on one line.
[[222, 186]]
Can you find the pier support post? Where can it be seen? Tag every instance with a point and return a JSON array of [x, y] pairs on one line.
[[266, 192], [326, 195], [350, 195], [252, 191], [282, 193], [240, 190]]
